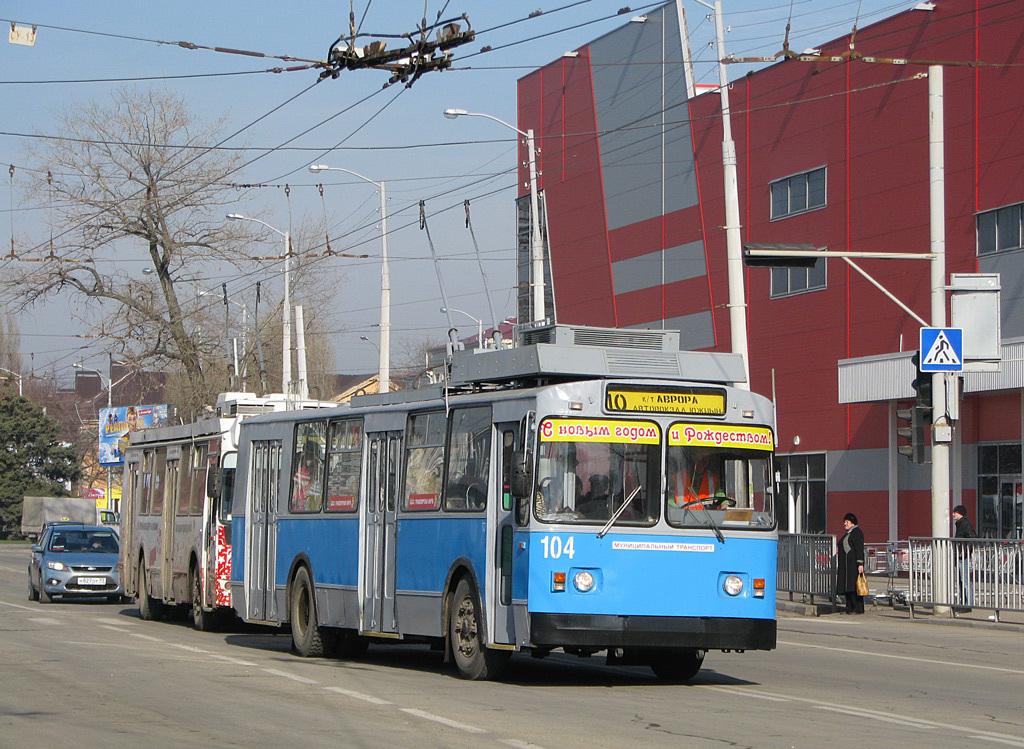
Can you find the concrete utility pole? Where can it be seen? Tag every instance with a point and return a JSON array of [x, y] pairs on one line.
[[733, 241]]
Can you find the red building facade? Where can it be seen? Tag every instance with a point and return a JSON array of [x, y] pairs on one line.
[[834, 154]]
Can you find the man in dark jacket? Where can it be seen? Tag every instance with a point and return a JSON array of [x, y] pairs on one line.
[[963, 529]]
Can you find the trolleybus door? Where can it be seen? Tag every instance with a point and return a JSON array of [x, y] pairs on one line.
[[378, 578], [500, 530], [170, 510], [263, 529]]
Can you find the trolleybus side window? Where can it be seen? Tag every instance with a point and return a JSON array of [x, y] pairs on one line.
[[588, 468], [469, 451], [157, 494], [199, 467], [343, 464], [424, 461], [227, 485], [307, 493], [147, 482], [185, 480], [721, 474]]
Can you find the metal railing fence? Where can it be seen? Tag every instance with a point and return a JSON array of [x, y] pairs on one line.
[[967, 573], [806, 565]]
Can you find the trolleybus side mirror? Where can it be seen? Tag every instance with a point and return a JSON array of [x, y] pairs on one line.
[[522, 474]]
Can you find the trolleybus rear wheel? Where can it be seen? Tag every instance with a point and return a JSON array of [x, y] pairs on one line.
[[149, 607], [308, 638], [202, 619], [473, 659], [677, 665]]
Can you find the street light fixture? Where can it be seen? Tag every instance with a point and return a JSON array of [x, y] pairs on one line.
[[286, 316], [384, 364], [17, 376], [536, 251], [479, 324]]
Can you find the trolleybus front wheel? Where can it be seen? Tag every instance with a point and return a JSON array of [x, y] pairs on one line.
[[676, 665], [473, 659], [308, 638], [202, 619]]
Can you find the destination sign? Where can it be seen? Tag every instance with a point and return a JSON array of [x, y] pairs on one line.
[[665, 400]]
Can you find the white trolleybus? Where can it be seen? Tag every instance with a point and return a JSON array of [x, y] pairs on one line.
[[590, 490], [175, 530]]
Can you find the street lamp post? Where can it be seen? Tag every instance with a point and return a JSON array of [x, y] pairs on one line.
[[384, 374], [110, 404], [479, 324], [286, 317], [536, 250], [18, 377]]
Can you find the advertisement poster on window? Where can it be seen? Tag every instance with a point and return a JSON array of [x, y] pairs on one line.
[[117, 422]]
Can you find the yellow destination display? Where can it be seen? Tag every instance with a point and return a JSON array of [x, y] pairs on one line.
[[714, 435], [600, 430], [666, 401]]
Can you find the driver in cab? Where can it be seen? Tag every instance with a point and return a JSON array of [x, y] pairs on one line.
[[698, 485]]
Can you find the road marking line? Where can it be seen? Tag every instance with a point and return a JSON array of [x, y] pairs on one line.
[[884, 717], [117, 622], [229, 659], [359, 696], [743, 693], [293, 677], [904, 658], [443, 721], [10, 569], [145, 637], [14, 605], [519, 744], [189, 648], [1008, 742], [44, 620]]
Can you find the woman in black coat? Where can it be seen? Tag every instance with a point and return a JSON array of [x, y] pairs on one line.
[[851, 564]]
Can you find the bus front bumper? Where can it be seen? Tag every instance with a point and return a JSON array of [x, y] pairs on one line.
[[605, 631]]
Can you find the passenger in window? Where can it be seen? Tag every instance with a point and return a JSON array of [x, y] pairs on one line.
[[306, 492], [594, 503]]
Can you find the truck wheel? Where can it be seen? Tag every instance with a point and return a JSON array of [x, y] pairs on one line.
[[308, 638], [474, 660], [202, 619], [149, 608]]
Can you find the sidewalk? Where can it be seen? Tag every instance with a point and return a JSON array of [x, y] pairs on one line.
[[878, 605]]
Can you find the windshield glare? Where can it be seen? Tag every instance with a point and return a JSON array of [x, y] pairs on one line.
[[733, 486], [587, 481]]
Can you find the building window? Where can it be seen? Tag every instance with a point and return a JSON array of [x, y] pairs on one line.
[[799, 193], [1000, 498], [787, 281], [1001, 229], [802, 498]]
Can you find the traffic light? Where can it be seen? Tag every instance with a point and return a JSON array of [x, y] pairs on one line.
[[915, 420], [922, 383]]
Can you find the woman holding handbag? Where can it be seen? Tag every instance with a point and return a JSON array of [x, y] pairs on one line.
[[851, 564]]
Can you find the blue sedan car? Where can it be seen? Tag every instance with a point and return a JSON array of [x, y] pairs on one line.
[[74, 560]]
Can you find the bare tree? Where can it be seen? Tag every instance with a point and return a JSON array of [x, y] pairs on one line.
[[138, 197]]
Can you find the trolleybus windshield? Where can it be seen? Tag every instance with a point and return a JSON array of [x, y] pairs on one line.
[[586, 469], [719, 473]]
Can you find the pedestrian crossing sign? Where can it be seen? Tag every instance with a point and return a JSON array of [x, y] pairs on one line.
[[942, 349]]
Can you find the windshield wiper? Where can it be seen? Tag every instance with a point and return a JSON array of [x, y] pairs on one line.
[[615, 515], [709, 521]]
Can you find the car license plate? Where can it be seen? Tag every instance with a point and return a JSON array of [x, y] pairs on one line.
[[92, 581]]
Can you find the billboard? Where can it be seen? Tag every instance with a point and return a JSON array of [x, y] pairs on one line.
[[118, 421]]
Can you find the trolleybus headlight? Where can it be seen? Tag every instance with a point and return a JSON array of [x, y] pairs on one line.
[[583, 581], [732, 585]]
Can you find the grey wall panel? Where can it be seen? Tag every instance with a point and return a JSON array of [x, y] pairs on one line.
[[857, 470], [696, 331], [646, 144], [1010, 267], [656, 268]]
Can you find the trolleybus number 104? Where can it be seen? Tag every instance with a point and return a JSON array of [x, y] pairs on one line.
[[555, 548]]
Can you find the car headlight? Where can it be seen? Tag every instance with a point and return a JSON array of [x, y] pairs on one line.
[[732, 585], [583, 581], [56, 565]]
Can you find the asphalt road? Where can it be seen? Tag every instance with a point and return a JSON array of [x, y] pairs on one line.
[[93, 674]]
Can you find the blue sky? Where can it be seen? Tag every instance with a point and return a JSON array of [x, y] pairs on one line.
[[80, 47]]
